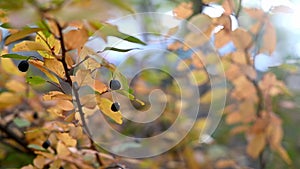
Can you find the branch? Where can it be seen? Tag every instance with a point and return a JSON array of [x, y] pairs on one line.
[[74, 87]]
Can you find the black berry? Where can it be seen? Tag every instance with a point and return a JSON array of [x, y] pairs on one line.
[[115, 107], [46, 144], [114, 85], [35, 115], [23, 66]]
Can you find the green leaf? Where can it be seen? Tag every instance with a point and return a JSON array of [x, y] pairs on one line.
[[112, 30], [117, 49], [5, 25], [21, 34], [130, 96], [36, 147], [15, 56], [123, 5], [21, 122], [35, 80]]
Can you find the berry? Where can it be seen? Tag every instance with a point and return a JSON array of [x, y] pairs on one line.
[[115, 107], [23, 66], [114, 85], [35, 115], [46, 144]]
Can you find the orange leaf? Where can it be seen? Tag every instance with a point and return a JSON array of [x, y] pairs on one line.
[[222, 38], [65, 105], [40, 65], [75, 39], [39, 161]]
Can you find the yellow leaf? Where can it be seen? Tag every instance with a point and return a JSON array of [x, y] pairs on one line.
[[40, 65], [39, 161], [55, 66], [29, 46], [8, 99], [20, 34], [198, 77], [67, 139], [105, 107], [15, 86], [284, 155], [256, 144], [9, 67], [62, 149], [50, 44]]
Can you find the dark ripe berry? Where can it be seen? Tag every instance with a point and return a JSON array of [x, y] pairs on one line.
[[114, 85], [46, 144], [23, 66], [115, 107], [35, 115]]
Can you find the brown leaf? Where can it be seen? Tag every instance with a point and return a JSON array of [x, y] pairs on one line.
[[228, 6], [284, 155], [269, 39], [256, 144], [100, 86], [199, 22], [222, 38], [39, 161], [65, 105], [75, 39], [233, 118], [225, 164], [225, 21], [183, 10], [241, 38], [239, 57]]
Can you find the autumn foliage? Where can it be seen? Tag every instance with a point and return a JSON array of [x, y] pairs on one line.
[[44, 113]]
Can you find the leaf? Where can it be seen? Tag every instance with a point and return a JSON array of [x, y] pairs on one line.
[[36, 147], [241, 38], [10, 68], [104, 105], [15, 56], [106, 30], [65, 105], [8, 99], [39, 161], [222, 38], [269, 39], [284, 155], [130, 96], [51, 44], [21, 122], [256, 144], [20, 34], [75, 39], [183, 10], [199, 22], [29, 46], [99, 86], [55, 66], [62, 149], [118, 50], [225, 164], [198, 77], [282, 8], [233, 118], [40, 65], [35, 80], [123, 5], [67, 139]]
